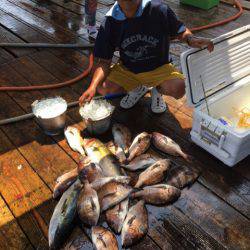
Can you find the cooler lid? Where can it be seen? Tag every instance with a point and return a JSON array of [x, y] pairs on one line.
[[212, 72]]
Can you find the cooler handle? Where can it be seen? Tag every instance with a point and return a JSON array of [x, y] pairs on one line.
[[211, 147]]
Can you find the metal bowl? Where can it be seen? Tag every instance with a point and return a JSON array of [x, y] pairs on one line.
[[99, 126], [54, 125]]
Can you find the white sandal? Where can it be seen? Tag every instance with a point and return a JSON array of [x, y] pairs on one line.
[[133, 97], [158, 104]]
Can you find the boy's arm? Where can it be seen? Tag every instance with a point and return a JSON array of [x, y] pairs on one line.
[[100, 74], [196, 42]]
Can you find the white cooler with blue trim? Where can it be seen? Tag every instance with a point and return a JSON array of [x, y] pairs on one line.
[[218, 86]]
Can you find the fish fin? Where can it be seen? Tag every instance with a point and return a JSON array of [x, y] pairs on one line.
[[92, 203], [109, 194], [130, 221]]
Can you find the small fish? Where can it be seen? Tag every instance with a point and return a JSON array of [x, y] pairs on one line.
[[88, 206], [113, 193], [74, 139], [141, 162], [139, 145], [122, 136], [158, 194], [167, 145], [116, 216], [84, 161], [99, 183], [102, 239], [117, 151], [182, 176], [135, 225], [61, 222], [91, 172], [154, 174], [66, 176], [77, 241]]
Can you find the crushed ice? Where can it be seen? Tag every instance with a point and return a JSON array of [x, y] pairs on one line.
[[49, 108], [96, 110]]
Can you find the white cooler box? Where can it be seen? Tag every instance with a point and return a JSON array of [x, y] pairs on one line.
[[218, 86]]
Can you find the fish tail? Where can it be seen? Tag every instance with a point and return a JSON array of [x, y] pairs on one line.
[[187, 157]]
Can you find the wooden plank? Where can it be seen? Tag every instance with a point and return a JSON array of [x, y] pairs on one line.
[[5, 57], [11, 235], [7, 37], [55, 31], [22, 190], [232, 230]]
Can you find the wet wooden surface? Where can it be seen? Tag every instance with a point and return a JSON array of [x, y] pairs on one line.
[[211, 214]]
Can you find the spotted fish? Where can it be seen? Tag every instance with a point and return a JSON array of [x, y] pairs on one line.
[[135, 225], [154, 174], [139, 145], [103, 239], [116, 216], [158, 194], [182, 176], [167, 145], [88, 207]]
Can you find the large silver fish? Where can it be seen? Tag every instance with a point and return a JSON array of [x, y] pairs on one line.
[[88, 206], [74, 139], [135, 225], [167, 145], [100, 155], [141, 162], [61, 222], [116, 216], [158, 194], [182, 176], [154, 174], [122, 137], [113, 193], [99, 183], [139, 145], [117, 151], [103, 239]]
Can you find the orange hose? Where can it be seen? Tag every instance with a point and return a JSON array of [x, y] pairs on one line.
[[91, 59], [54, 86], [227, 20]]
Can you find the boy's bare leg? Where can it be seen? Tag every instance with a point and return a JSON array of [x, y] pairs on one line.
[[174, 88], [110, 88]]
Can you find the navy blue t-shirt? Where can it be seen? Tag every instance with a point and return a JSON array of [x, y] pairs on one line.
[[143, 41]]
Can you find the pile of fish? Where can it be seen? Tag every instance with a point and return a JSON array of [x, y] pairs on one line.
[[100, 187]]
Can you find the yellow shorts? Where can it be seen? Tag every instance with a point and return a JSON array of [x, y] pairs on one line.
[[129, 80]]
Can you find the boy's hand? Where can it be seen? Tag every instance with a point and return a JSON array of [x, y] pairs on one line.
[[200, 42], [87, 96]]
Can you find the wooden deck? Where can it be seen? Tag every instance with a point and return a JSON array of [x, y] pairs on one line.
[[212, 214]]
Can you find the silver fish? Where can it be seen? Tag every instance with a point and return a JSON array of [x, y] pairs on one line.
[[141, 162], [135, 225], [103, 239], [122, 137], [158, 194], [61, 222], [167, 145], [74, 139], [182, 176], [99, 183], [88, 206], [113, 193], [139, 145], [154, 174], [116, 216]]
